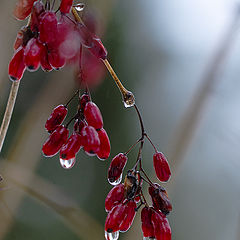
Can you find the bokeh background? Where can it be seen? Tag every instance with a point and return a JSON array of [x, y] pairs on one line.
[[181, 58]]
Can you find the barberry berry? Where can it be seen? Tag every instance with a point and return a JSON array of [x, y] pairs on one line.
[[105, 148]]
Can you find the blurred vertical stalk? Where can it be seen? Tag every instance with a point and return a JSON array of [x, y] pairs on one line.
[[188, 125], [8, 112]]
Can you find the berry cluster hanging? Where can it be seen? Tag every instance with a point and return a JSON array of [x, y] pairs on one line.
[[52, 39]]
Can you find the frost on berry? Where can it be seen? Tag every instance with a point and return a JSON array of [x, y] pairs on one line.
[[90, 140], [55, 141], [93, 115], [65, 6], [104, 150], [116, 168], [16, 66], [129, 214], [23, 9], [161, 167], [147, 227], [32, 54], [56, 118], [160, 198], [114, 197]]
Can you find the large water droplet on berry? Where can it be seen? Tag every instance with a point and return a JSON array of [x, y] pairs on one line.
[[79, 7], [67, 164], [111, 236], [116, 182]]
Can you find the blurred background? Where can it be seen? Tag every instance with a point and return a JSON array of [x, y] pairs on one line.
[[181, 59]]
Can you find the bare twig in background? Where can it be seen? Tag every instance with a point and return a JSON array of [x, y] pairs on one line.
[[48, 194], [188, 125], [8, 112]]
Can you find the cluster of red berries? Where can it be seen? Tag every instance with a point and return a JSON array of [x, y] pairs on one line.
[[121, 202], [88, 132], [50, 39]]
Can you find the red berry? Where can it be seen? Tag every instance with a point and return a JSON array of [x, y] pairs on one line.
[[161, 226], [116, 168], [16, 66], [56, 118], [55, 59], [37, 10], [98, 49], [90, 140], [48, 27], [19, 40], [84, 100], [130, 212], [147, 226], [114, 197], [79, 125], [55, 141], [23, 9], [32, 54], [85, 35], [44, 61], [161, 166], [65, 6], [105, 147], [160, 199], [93, 115], [115, 218], [71, 147]]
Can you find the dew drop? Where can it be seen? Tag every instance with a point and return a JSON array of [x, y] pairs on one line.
[[128, 99], [67, 164], [116, 182], [79, 7], [111, 236]]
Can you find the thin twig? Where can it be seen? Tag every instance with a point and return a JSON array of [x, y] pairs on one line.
[[8, 112]]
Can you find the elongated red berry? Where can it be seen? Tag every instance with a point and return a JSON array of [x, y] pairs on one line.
[[48, 27], [71, 147], [98, 49], [32, 54], [55, 59], [160, 198], [19, 40], [56, 118], [116, 168], [85, 98], [37, 10], [65, 6], [23, 9], [46, 66], [130, 212], [79, 125], [55, 141], [105, 148], [147, 226], [93, 115], [90, 140], [161, 167], [115, 218], [16, 66], [161, 226], [114, 197]]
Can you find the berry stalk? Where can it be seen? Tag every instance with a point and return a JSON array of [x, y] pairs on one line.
[[8, 112]]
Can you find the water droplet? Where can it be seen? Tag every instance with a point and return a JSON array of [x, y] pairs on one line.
[[111, 236], [116, 182], [128, 99], [67, 164], [79, 7]]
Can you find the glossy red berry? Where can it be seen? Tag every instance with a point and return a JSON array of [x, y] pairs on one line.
[[160, 199], [48, 27], [16, 66], [79, 125], [55, 59], [56, 118], [71, 147], [161, 226], [114, 197], [115, 218], [85, 98], [116, 168], [93, 115], [46, 66], [65, 6], [32, 54], [105, 148], [161, 167], [37, 10], [23, 9], [130, 212], [90, 140], [147, 226], [55, 141], [19, 40], [98, 49]]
